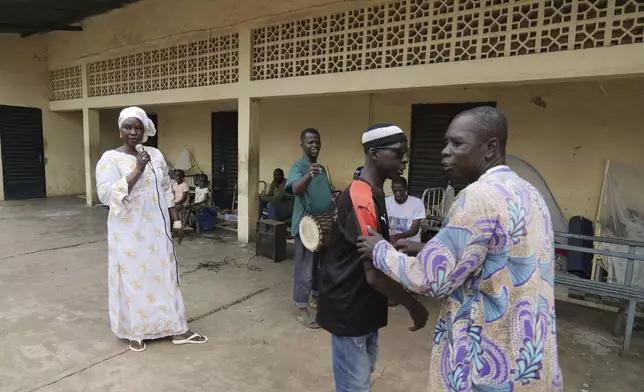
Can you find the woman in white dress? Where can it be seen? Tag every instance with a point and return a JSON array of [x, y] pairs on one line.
[[144, 295]]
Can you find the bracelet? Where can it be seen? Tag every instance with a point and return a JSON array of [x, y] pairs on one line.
[[177, 225]]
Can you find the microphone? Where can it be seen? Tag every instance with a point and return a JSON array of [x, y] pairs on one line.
[[139, 148]]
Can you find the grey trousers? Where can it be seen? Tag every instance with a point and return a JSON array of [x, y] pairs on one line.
[[307, 274]]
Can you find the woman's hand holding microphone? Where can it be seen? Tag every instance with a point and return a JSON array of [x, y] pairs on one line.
[[142, 158]]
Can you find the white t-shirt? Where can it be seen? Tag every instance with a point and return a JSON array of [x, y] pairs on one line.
[[402, 216], [201, 194]]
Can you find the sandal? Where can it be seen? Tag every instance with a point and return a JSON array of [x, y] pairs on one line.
[[191, 340], [137, 346], [308, 321]]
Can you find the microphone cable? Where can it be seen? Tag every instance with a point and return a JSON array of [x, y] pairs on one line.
[[165, 222], [211, 265]]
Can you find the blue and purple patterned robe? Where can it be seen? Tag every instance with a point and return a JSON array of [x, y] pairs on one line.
[[493, 266]]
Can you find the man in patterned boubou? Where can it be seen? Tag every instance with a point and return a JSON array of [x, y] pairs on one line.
[[493, 266]]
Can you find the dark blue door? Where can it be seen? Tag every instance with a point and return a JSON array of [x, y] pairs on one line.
[[224, 158], [23, 158]]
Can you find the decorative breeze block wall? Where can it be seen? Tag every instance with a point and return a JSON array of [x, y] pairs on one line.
[[195, 64], [413, 32], [66, 83]]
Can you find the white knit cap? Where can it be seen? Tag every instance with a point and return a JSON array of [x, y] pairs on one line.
[[382, 135], [136, 112]]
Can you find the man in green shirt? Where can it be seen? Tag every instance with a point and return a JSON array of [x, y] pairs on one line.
[[278, 205], [309, 183]]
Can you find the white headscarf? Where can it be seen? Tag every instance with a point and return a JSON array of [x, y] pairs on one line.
[[135, 112]]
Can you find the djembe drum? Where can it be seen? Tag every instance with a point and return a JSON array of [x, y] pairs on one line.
[[315, 230]]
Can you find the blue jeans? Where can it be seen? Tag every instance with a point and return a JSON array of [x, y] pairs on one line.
[[262, 205], [354, 359], [273, 210]]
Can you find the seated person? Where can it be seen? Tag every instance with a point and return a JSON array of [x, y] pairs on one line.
[[278, 205], [202, 192], [200, 203], [173, 182], [405, 212], [181, 190]]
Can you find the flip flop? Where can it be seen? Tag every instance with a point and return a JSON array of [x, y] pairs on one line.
[[308, 321], [190, 340], [142, 347]]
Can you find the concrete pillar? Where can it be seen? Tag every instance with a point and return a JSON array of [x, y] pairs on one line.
[[245, 54], [248, 146], [248, 161], [91, 136]]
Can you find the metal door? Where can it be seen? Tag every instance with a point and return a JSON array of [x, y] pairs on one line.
[[224, 157], [429, 122], [23, 158]]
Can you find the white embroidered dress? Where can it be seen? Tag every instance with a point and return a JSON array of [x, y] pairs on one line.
[[144, 296]]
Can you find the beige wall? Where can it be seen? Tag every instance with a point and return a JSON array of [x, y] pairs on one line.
[[340, 120], [109, 133], [582, 125], [567, 141], [179, 126], [189, 126], [65, 166], [24, 81], [185, 126]]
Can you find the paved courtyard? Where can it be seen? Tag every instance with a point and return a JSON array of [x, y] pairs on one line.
[[55, 336]]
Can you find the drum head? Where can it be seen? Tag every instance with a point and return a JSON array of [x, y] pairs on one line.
[[310, 233]]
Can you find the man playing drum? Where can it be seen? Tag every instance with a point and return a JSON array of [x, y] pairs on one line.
[[308, 181], [353, 294]]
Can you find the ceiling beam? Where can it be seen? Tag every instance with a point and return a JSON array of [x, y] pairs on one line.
[[20, 26], [35, 30], [40, 18]]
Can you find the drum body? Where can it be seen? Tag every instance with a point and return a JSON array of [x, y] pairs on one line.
[[315, 230]]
